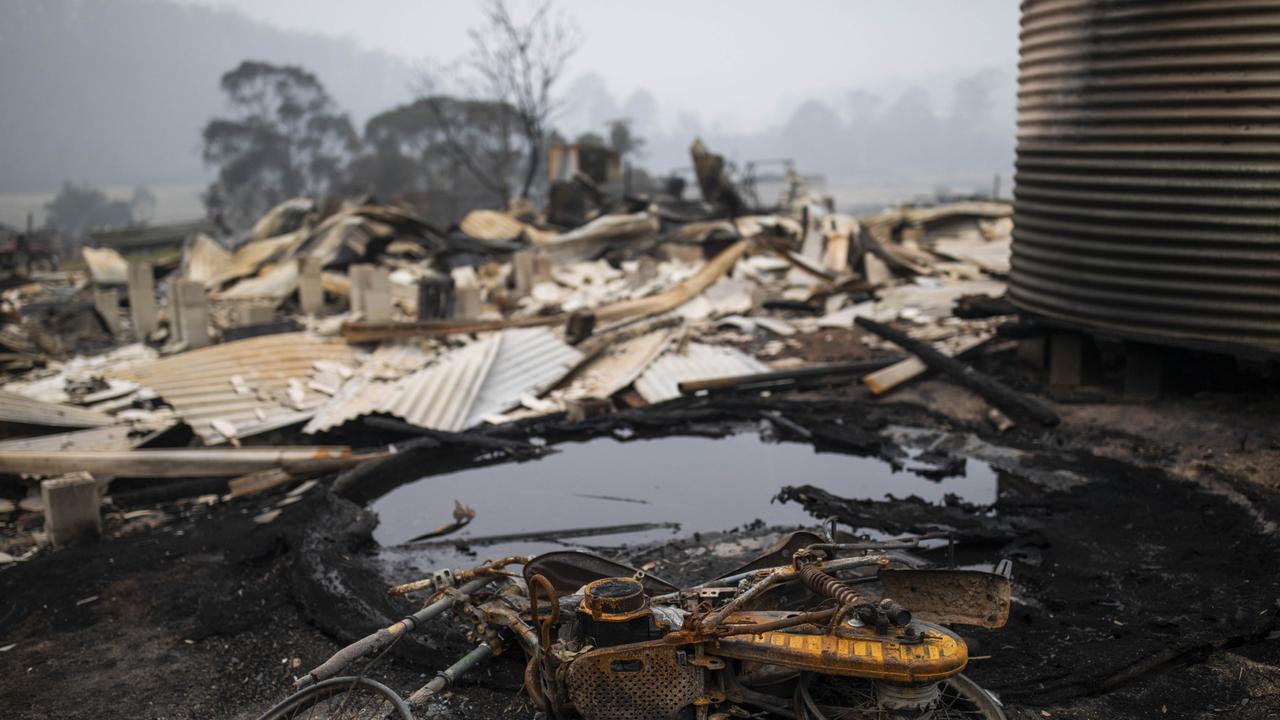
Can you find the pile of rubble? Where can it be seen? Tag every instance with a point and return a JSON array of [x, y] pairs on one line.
[[320, 316]]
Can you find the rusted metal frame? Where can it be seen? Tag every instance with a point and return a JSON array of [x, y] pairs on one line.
[[773, 577], [836, 565], [500, 612], [538, 584], [717, 617], [489, 568]]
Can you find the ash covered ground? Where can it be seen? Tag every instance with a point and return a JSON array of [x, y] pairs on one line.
[[1144, 565]]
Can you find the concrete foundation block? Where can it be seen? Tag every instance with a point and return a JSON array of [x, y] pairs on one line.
[[71, 508]]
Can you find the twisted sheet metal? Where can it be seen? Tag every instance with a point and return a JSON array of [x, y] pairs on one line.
[[1148, 169]]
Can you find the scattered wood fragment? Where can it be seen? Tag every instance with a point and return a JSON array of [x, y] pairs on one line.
[[998, 420], [994, 391], [462, 517], [899, 373]]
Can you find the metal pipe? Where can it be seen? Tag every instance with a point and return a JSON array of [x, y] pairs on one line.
[[174, 463], [385, 636], [449, 675]]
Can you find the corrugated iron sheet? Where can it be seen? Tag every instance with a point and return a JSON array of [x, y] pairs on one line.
[[198, 383], [464, 387], [16, 408], [205, 259], [373, 384], [529, 361], [696, 362], [1147, 201], [441, 396]]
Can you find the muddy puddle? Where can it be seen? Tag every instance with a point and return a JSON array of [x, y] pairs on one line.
[[672, 486]]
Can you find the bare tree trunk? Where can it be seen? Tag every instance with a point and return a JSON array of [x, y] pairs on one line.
[[535, 160]]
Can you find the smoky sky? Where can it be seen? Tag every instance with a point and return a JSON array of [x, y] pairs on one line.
[[901, 96], [738, 65]]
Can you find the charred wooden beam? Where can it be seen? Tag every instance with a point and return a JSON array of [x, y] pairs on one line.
[[992, 390]]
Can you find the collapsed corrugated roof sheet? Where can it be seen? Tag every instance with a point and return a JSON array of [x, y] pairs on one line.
[[16, 408], [247, 386], [467, 385], [371, 386], [205, 259], [529, 361], [696, 362]]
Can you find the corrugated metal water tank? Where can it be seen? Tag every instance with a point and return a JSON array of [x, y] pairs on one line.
[[1147, 201]]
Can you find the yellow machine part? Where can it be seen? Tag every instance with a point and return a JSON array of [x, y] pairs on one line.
[[857, 652]]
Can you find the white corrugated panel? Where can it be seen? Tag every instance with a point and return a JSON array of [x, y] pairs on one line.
[[696, 362], [198, 383], [467, 385], [529, 361], [441, 396], [373, 386]]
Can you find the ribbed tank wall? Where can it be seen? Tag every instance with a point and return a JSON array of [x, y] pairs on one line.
[[1147, 201]]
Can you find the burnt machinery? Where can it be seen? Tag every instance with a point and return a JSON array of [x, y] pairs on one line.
[[795, 634]]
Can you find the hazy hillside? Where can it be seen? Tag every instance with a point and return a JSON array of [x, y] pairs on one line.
[[116, 91]]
